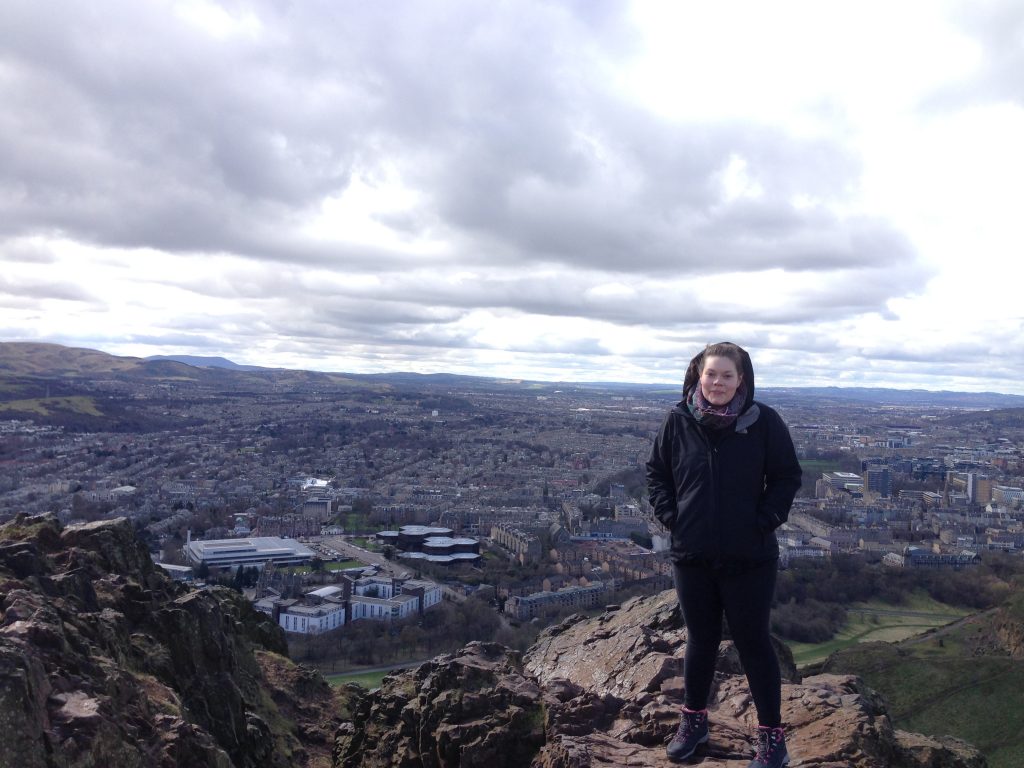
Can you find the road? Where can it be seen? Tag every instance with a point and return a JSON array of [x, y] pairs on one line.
[[363, 555], [945, 630], [909, 614], [373, 670]]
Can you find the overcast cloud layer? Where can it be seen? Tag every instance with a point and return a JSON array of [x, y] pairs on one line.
[[549, 190]]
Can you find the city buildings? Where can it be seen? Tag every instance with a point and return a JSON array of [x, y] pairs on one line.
[[573, 597], [332, 607], [255, 551]]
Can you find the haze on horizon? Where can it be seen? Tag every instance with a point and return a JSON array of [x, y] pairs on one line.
[[541, 190]]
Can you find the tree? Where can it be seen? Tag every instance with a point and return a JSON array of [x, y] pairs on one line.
[[643, 539], [411, 636]]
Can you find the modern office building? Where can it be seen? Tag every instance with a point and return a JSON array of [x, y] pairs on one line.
[[255, 550], [332, 607], [432, 544], [878, 480]]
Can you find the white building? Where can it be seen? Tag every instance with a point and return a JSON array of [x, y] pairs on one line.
[[398, 607], [428, 592], [255, 550], [378, 598], [312, 619], [375, 586]]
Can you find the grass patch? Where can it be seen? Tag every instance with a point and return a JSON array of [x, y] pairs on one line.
[[368, 543], [918, 614], [918, 602], [354, 521], [368, 680], [44, 406], [939, 687]]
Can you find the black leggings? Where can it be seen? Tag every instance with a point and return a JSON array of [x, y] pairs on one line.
[[745, 598]]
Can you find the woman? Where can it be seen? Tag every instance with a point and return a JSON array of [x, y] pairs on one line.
[[722, 476]]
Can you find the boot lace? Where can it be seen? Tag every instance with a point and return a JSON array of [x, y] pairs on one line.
[[690, 723], [769, 742]]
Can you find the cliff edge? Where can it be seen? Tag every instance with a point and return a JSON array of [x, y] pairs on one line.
[[104, 661], [606, 692]]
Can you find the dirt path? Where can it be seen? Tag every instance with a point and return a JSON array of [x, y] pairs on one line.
[[947, 628]]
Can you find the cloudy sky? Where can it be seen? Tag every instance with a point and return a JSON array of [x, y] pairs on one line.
[[560, 190]]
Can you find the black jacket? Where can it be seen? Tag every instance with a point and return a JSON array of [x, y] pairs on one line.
[[723, 493]]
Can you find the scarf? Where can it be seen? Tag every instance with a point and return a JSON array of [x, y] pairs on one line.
[[715, 416]]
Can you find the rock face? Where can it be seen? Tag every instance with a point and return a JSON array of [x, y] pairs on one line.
[[606, 692], [107, 663], [104, 661], [1008, 627]]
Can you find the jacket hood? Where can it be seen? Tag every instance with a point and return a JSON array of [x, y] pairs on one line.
[[692, 377]]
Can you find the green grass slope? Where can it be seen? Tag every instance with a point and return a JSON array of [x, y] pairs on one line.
[[951, 681], [878, 621]]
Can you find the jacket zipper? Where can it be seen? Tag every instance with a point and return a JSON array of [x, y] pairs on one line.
[[716, 532], [716, 521]]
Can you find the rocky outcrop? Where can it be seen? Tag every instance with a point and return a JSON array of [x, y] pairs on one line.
[[606, 692], [474, 708], [1008, 627], [104, 661]]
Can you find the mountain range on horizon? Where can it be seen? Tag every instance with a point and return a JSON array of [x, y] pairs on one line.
[[37, 359]]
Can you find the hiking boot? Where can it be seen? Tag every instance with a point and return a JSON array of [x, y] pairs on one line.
[[691, 733], [771, 748]]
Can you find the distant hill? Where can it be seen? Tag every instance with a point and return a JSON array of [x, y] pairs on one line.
[[1001, 418], [26, 358], [904, 397], [54, 360], [200, 361], [87, 390]]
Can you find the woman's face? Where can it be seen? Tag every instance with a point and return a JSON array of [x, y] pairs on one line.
[[719, 380]]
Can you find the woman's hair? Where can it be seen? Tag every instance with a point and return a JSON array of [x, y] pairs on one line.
[[723, 349]]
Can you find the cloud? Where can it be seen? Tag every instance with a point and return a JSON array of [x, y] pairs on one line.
[[292, 113], [28, 251], [994, 31], [33, 291], [343, 182]]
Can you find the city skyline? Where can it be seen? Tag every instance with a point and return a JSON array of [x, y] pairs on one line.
[[545, 191]]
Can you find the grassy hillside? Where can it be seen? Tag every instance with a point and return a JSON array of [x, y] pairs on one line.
[[47, 406], [26, 358], [878, 621], [22, 363], [950, 681]]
